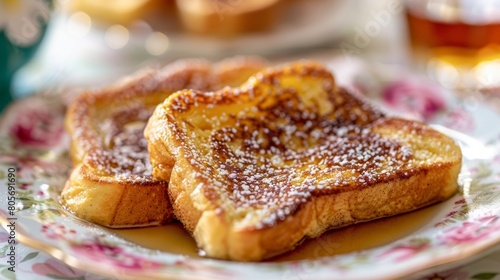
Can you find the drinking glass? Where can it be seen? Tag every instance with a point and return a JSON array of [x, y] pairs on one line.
[[456, 42]]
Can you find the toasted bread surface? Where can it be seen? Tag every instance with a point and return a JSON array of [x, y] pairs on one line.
[[288, 155], [111, 183]]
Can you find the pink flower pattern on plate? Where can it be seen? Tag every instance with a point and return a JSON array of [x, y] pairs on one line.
[[4, 236], [405, 251], [37, 129], [459, 119], [112, 255], [57, 231], [30, 168], [416, 97], [35, 124], [56, 269], [496, 159], [471, 231]]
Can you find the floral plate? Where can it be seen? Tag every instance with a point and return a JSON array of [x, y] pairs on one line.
[[34, 165]]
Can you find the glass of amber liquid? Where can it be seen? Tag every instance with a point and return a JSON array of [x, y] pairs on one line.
[[456, 42]]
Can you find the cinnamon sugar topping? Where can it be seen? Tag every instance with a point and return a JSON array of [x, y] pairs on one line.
[[124, 154]]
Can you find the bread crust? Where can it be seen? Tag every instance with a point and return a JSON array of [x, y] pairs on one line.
[[111, 182], [193, 137]]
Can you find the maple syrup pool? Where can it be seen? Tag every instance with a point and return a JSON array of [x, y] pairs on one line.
[[172, 238]]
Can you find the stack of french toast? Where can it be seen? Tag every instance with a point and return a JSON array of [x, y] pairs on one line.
[[250, 158]]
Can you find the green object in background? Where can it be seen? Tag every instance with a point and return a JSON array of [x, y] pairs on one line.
[[22, 27]]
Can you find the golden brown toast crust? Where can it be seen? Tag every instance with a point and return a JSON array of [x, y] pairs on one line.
[[111, 183], [288, 155]]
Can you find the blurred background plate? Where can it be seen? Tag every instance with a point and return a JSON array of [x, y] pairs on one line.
[[90, 43], [303, 24]]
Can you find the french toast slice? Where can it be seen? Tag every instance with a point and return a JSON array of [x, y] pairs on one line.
[[288, 155], [111, 183]]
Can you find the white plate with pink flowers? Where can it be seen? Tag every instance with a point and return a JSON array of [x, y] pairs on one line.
[[33, 151]]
